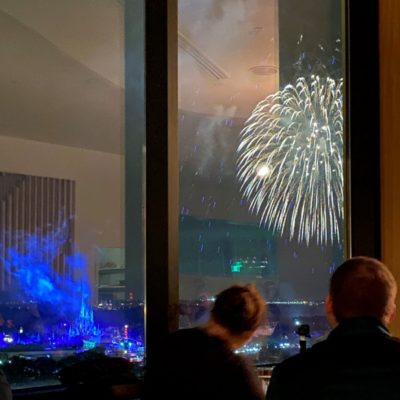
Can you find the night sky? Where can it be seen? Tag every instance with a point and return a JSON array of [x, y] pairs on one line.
[[209, 191]]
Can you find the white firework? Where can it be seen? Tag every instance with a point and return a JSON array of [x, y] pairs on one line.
[[290, 161]]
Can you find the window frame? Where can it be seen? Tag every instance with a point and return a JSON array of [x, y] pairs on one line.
[[362, 184], [156, 88]]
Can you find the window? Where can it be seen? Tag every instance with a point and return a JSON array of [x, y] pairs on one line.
[[68, 292], [262, 174], [73, 139]]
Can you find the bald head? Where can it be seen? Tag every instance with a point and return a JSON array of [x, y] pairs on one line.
[[362, 287]]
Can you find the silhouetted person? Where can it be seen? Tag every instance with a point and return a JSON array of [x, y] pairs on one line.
[[5, 389], [359, 359], [200, 363]]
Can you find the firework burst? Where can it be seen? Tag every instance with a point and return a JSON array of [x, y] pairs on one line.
[[290, 162]]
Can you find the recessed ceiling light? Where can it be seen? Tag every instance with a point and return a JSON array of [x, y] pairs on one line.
[[264, 70]]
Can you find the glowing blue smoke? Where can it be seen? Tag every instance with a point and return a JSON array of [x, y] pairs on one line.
[[30, 261]]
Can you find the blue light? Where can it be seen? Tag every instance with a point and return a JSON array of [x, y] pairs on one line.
[[31, 265], [60, 295]]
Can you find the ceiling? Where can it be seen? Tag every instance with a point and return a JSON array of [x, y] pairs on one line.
[[61, 74], [232, 60], [62, 69]]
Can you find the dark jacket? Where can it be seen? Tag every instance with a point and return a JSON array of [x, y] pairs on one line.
[[195, 366], [359, 360]]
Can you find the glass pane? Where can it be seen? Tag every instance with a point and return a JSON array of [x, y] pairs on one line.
[[261, 160], [66, 292]]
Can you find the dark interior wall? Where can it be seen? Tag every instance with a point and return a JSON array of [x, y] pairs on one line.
[[389, 32], [362, 119]]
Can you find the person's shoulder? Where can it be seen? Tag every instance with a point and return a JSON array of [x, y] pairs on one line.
[[393, 345], [185, 334], [394, 340], [191, 337], [288, 377], [301, 361]]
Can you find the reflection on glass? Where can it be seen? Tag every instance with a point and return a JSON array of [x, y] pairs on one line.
[[64, 297], [261, 160]]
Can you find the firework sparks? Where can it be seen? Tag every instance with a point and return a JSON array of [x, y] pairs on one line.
[[290, 162]]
